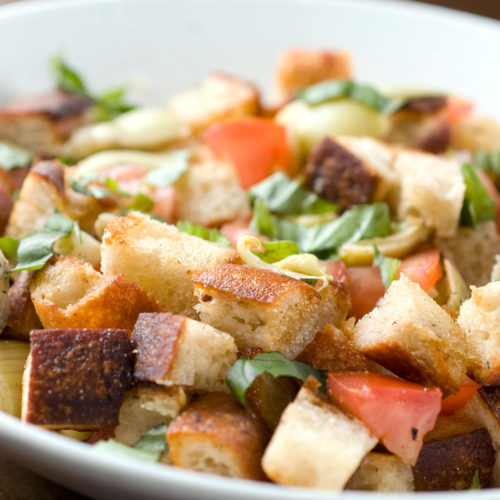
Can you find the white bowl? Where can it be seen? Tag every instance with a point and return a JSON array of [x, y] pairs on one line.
[[161, 47]]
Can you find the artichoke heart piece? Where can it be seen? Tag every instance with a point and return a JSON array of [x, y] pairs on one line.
[[457, 289], [13, 355], [408, 235]]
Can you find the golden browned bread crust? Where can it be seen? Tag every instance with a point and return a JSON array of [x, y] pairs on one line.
[[51, 171], [76, 379]]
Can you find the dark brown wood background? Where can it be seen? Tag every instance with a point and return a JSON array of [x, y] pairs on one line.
[[16, 482]]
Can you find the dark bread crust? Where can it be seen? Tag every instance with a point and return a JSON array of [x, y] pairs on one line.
[[77, 378]]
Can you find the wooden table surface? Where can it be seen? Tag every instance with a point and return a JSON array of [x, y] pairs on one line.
[[17, 482]]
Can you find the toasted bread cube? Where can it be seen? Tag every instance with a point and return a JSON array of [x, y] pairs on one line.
[[414, 337], [6, 204], [76, 379], [495, 272], [381, 472], [210, 194], [332, 350], [145, 407], [432, 187], [475, 133], [298, 68], [175, 350], [450, 463], [473, 252], [41, 123], [218, 97], [42, 192], [261, 308], [216, 435], [71, 294], [480, 319], [160, 259], [315, 444]]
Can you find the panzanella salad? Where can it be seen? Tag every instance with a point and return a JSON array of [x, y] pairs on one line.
[[305, 293]]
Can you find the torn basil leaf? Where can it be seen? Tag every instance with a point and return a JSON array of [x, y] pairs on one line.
[[389, 267], [35, 250], [489, 161], [274, 251], [475, 484], [171, 171], [142, 202], [12, 156], [111, 104], [478, 205], [286, 196], [262, 221], [204, 233], [243, 373], [331, 90], [9, 246], [149, 448], [67, 79]]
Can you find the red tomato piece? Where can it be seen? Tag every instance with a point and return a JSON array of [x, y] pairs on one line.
[[255, 146], [366, 288], [492, 190], [454, 402], [423, 268], [337, 269], [399, 413], [238, 228], [457, 109]]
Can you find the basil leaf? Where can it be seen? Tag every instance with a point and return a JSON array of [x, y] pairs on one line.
[[170, 172], [149, 448], [243, 373], [486, 160], [36, 249], [12, 156], [275, 251], [115, 187], [358, 223], [331, 90], [286, 196], [111, 104], [67, 79], [9, 246], [478, 204], [203, 232], [388, 267], [81, 186], [475, 484], [142, 202]]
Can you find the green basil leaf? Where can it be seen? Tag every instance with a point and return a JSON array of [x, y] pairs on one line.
[[331, 90], [81, 185], [115, 187], [111, 104], [171, 171], [275, 251], [142, 202], [203, 232], [149, 448], [486, 160], [12, 156], [478, 204], [389, 267], [243, 373], [475, 484], [36, 249], [262, 221], [286, 196], [67, 79], [9, 246]]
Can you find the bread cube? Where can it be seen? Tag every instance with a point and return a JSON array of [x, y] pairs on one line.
[[71, 294], [472, 251], [495, 272], [480, 319], [475, 133], [209, 194], [333, 351], [216, 435], [414, 337], [298, 68], [160, 259], [175, 350], [145, 407], [41, 123], [261, 308], [315, 444], [41, 193], [217, 98], [382, 472], [432, 187], [76, 379]]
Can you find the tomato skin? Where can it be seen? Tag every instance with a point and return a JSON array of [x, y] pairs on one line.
[[492, 190], [457, 109], [255, 146], [399, 413], [337, 269], [423, 268], [452, 403], [234, 230], [366, 288]]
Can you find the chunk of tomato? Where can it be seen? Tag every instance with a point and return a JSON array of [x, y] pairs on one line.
[[366, 288], [454, 402], [423, 268], [255, 146], [492, 190], [399, 413], [457, 109], [337, 269]]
